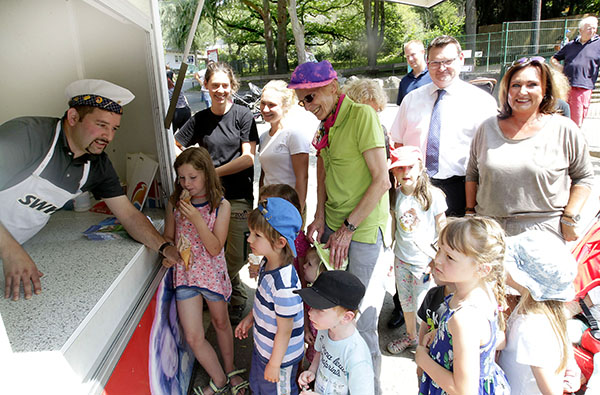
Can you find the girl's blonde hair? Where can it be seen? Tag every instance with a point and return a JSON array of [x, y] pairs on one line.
[[561, 83], [554, 311], [258, 223], [483, 240], [288, 96], [199, 159], [366, 91]]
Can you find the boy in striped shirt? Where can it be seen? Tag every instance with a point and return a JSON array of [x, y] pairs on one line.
[[277, 316]]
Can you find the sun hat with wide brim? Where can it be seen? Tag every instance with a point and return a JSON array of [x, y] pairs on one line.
[[543, 264], [312, 75]]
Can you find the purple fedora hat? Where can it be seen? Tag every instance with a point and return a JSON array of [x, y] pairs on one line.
[[312, 75]]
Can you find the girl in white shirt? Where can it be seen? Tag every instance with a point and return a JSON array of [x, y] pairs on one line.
[[540, 267]]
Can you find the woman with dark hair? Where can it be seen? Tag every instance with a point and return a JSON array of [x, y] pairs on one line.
[[529, 167], [228, 132]]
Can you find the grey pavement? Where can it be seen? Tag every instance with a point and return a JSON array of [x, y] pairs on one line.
[[398, 375]]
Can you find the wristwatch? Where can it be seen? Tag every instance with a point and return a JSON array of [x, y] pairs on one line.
[[348, 225], [161, 249], [575, 218]]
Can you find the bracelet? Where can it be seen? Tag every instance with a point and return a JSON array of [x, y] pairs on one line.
[[469, 208], [571, 224]]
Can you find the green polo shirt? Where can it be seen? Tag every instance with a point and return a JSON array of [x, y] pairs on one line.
[[347, 177]]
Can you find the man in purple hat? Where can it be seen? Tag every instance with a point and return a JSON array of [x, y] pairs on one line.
[[352, 184]]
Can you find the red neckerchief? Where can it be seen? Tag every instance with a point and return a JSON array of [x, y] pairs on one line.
[[321, 139]]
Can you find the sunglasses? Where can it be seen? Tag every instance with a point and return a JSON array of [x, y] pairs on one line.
[[523, 61], [307, 99]]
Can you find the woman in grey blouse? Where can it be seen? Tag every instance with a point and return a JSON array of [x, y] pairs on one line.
[[529, 167]]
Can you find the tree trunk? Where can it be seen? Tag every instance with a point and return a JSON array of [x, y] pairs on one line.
[[269, 37], [471, 28], [282, 61], [265, 13], [298, 30], [375, 28]]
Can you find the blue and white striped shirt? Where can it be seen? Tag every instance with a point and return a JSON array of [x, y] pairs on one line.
[[275, 297]]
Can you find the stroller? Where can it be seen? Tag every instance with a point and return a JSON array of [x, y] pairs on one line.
[[587, 254], [251, 100]]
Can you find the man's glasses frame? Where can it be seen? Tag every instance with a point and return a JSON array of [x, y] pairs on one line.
[[436, 64]]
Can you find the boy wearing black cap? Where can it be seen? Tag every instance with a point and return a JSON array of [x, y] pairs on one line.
[[342, 362]]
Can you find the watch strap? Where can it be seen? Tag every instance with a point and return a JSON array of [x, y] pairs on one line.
[[162, 247], [348, 225], [575, 217]]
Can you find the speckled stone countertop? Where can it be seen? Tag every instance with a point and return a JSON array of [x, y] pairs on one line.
[[77, 273]]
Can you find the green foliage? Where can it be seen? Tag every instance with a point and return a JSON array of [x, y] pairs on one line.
[[334, 29], [176, 18]]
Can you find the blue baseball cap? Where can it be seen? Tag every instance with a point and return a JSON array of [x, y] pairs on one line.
[[283, 217]]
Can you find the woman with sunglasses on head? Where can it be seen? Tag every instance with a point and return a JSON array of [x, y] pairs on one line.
[[352, 184], [228, 132], [529, 167]]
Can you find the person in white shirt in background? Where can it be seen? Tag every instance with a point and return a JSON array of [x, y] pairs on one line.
[[462, 108]]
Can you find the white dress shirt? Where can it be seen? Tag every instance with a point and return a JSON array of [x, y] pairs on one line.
[[464, 108]]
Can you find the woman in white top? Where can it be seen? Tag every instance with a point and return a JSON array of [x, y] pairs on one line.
[[283, 152]]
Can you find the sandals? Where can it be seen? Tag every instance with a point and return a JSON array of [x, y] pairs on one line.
[[226, 389], [401, 344], [243, 385]]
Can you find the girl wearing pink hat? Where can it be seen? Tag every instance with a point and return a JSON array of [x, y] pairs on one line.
[[419, 212]]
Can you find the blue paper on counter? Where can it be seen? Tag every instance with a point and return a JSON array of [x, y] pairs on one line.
[[108, 229]]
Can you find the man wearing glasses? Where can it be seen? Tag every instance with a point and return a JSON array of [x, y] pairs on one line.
[[581, 63], [441, 118]]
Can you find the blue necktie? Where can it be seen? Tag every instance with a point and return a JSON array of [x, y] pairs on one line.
[[432, 153]]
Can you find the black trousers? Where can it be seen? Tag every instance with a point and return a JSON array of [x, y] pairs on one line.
[[181, 117], [454, 189]]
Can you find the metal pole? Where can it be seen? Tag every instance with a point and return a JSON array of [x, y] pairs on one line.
[[487, 66], [505, 31], [184, 65]]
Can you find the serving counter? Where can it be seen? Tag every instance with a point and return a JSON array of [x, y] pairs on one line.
[[93, 294]]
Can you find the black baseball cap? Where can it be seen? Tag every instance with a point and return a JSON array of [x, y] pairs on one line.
[[334, 288]]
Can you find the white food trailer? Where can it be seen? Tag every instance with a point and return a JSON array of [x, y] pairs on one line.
[[99, 325]]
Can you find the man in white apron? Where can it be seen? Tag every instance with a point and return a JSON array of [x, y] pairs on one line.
[[44, 162]]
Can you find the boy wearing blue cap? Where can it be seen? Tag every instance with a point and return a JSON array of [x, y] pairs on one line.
[[277, 316]]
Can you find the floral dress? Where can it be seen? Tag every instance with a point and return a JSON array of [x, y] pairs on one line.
[[491, 377], [205, 271]]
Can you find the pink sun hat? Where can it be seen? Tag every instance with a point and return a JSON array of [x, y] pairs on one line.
[[312, 75], [406, 155]]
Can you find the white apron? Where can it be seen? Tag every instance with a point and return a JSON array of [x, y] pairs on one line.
[[27, 206]]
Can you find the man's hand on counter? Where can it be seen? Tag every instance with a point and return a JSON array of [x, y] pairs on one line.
[[18, 268]]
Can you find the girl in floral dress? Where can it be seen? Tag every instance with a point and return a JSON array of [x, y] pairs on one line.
[[198, 224], [460, 360]]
